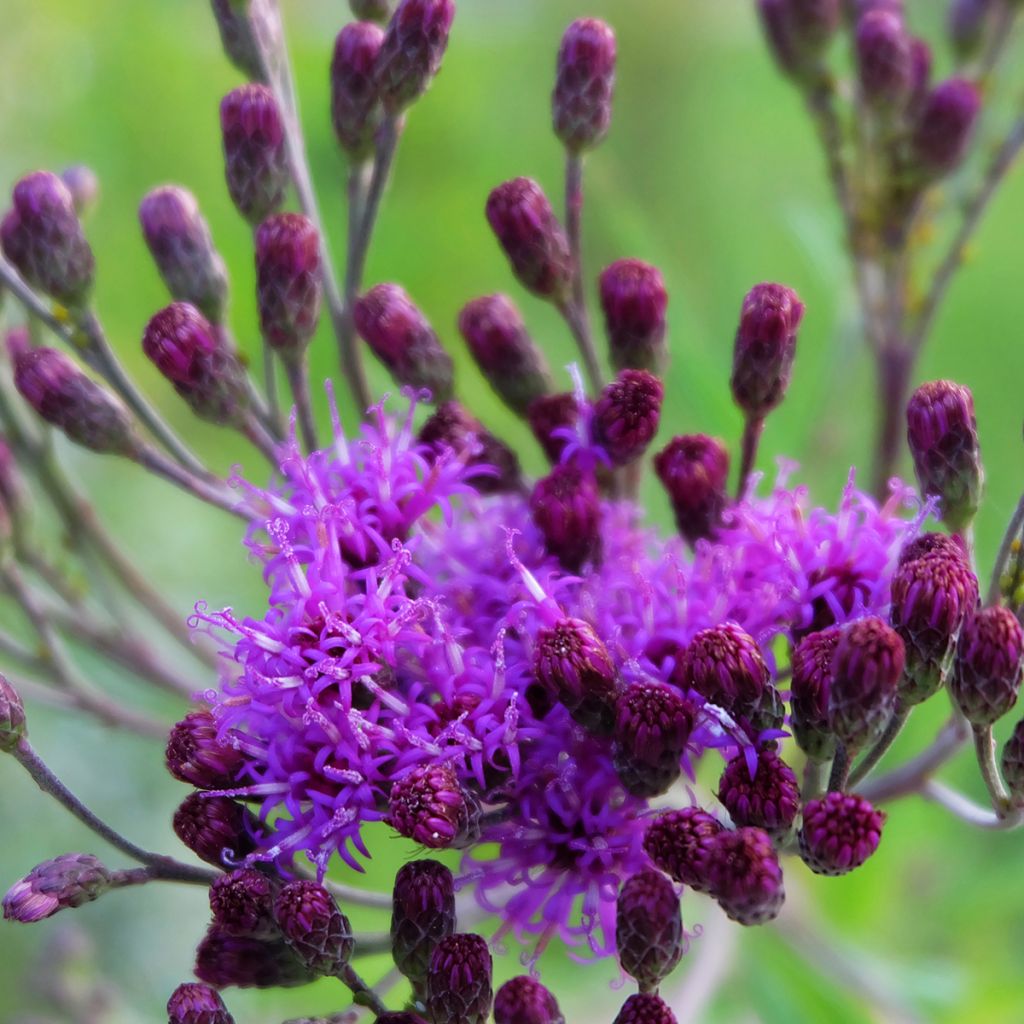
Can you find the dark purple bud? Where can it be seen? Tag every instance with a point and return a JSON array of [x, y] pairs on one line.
[[778, 34], [765, 347], [84, 187], [812, 678], [13, 726], [932, 597], [572, 663], [626, 415], [770, 799], [653, 723], [423, 914], [524, 1000], [192, 355], [196, 755], [1012, 763], [566, 507], [987, 676], [288, 282], [550, 417], [504, 351], [584, 83], [244, 961], [885, 63], [866, 670], [679, 841], [255, 162], [635, 301], [66, 882], [411, 53], [215, 828], [649, 934], [246, 27], [812, 24], [459, 982], [403, 340], [72, 402], [840, 831], [694, 470], [744, 875], [528, 230], [314, 927], [933, 544], [193, 1003], [243, 902], [645, 1008], [725, 666], [371, 10], [942, 432], [945, 127], [967, 23], [355, 103], [42, 236], [430, 806], [179, 240], [452, 428]]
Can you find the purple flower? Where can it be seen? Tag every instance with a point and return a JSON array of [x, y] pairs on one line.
[[355, 102], [584, 83], [193, 1003], [649, 935], [634, 301]]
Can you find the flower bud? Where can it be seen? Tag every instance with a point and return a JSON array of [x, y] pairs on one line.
[[452, 427], [967, 22], [355, 103], [430, 806], [552, 418], [187, 350], [197, 1004], [679, 842], [885, 62], [744, 875], [932, 597], [812, 677], [987, 675], [566, 508], [933, 544], [840, 831], [943, 436], [572, 663], [66, 882], [314, 927], [215, 828], [634, 301], [411, 53], [694, 470], [725, 666], [770, 799], [197, 756], [13, 726], [246, 27], [72, 402], [504, 351], [866, 670], [288, 282], [423, 914], [371, 10], [524, 1000], [243, 902], [255, 161], [180, 243], [403, 340], [528, 230], [778, 35], [653, 723], [459, 982], [1012, 763], [584, 84], [649, 932], [42, 236], [812, 24], [945, 127], [245, 961], [765, 347], [84, 187], [645, 1008], [626, 415]]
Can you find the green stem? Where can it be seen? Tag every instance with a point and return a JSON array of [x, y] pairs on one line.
[[840, 769], [985, 749], [882, 745], [577, 317]]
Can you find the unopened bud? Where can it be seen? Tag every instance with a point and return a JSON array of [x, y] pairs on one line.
[[194, 1003], [63, 883], [430, 806], [986, 679], [744, 875], [945, 127], [812, 679], [885, 63], [679, 842], [495, 465], [215, 828], [769, 798], [459, 982], [423, 915], [724, 664], [584, 84], [634, 301], [182, 248], [812, 24], [1012, 763], [255, 162], [553, 420], [839, 833], [649, 934], [248, 27], [243, 902], [778, 35], [196, 755], [355, 103], [84, 187], [566, 507], [694, 470], [524, 1000], [413, 47], [288, 282], [245, 961], [653, 723], [42, 236], [13, 726], [626, 415], [645, 1008], [314, 927]]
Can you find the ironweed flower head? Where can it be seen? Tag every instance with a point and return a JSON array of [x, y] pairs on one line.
[[634, 301], [355, 103], [452, 428], [649, 932], [314, 927], [945, 127], [459, 982], [13, 726], [196, 754], [767, 798], [645, 1008], [584, 84], [626, 415], [679, 842], [524, 1000], [966, 24], [839, 833], [63, 883], [694, 470], [255, 161], [989, 661], [423, 914], [193, 1003], [744, 875], [411, 54]]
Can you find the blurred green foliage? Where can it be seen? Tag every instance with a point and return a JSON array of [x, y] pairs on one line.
[[711, 172]]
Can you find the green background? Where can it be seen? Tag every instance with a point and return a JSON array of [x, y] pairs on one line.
[[710, 171]]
